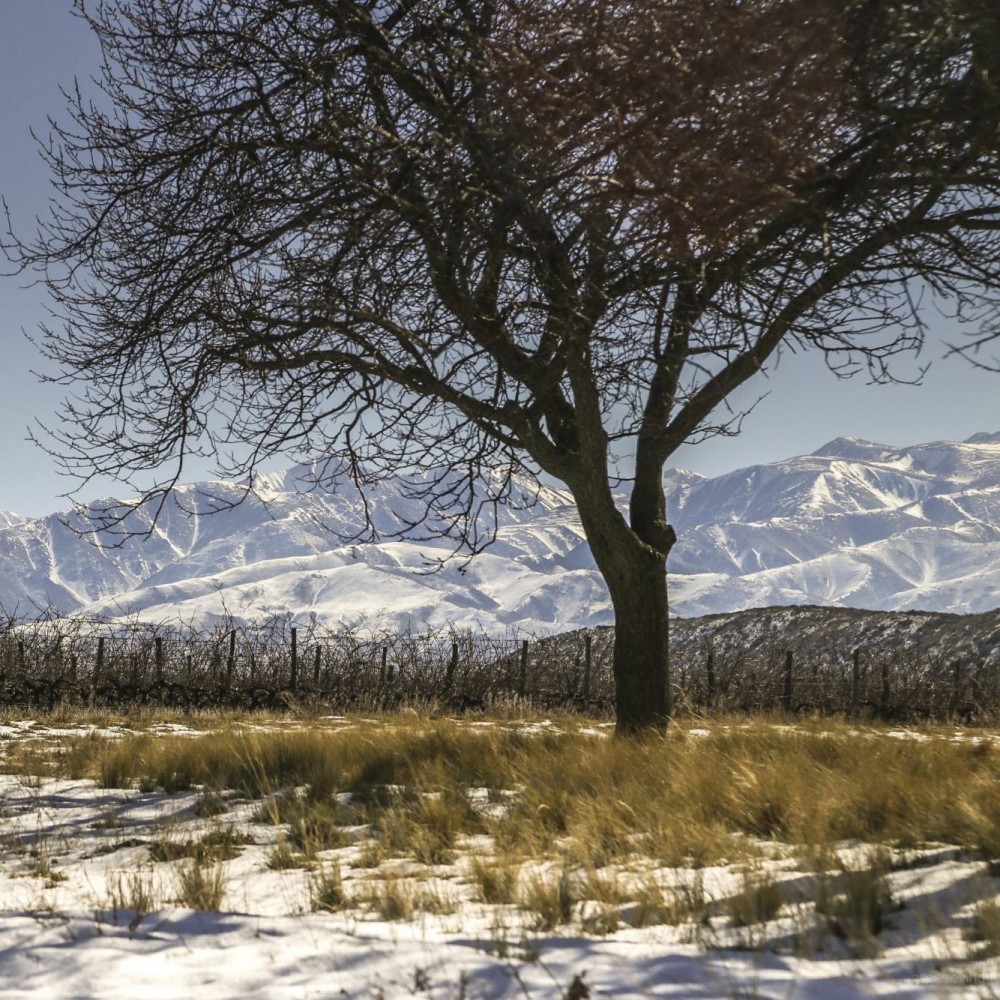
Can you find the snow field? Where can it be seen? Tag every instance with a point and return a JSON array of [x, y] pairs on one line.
[[772, 920]]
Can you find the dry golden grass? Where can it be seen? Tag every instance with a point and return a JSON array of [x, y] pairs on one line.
[[560, 793], [984, 932], [653, 904], [282, 858], [557, 827], [220, 844], [550, 898], [201, 886], [858, 903], [759, 900], [314, 825], [495, 881], [396, 897], [326, 890], [132, 892]]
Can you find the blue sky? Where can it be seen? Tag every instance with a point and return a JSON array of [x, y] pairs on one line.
[[43, 46]]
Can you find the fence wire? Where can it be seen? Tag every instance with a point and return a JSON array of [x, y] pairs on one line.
[[78, 662]]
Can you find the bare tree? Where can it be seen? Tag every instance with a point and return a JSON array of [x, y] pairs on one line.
[[505, 238]]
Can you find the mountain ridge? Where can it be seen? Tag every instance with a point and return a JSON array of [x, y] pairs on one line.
[[854, 524]]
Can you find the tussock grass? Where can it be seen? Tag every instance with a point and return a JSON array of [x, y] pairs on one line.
[[372, 855], [326, 890], [651, 904], [77, 757], [495, 881], [392, 898], [132, 892], [550, 898], [414, 753], [759, 900], [603, 896], [314, 825], [201, 886], [438, 821], [984, 931], [859, 902], [209, 804], [395, 897], [567, 795], [282, 858], [42, 865], [222, 844], [122, 762]]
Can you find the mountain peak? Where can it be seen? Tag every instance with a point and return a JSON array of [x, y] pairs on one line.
[[851, 447], [984, 437]]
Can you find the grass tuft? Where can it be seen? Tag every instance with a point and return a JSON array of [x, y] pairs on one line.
[[314, 825], [858, 903], [550, 900], [282, 858], [326, 890], [222, 844], [132, 892], [759, 900], [392, 898], [208, 805], [201, 886], [495, 881], [984, 931]]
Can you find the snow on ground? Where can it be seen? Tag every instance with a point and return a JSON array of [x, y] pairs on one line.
[[68, 847]]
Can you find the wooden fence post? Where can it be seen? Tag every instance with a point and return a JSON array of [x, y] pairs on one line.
[[449, 677], [98, 668], [855, 683], [158, 659], [57, 655], [884, 701], [294, 681], [231, 659], [710, 677], [956, 694], [587, 642], [786, 695], [522, 687], [317, 665], [383, 673]]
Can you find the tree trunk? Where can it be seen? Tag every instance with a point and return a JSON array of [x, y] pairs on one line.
[[632, 558], [641, 662]]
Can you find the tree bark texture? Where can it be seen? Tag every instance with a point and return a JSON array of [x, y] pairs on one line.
[[632, 558], [642, 662]]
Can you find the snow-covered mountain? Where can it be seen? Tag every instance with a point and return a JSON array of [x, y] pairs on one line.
[[855, 524]]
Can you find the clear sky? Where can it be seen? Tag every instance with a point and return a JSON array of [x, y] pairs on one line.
[[43, 46]]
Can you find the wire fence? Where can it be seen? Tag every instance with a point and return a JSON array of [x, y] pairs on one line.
[[99, 664]]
